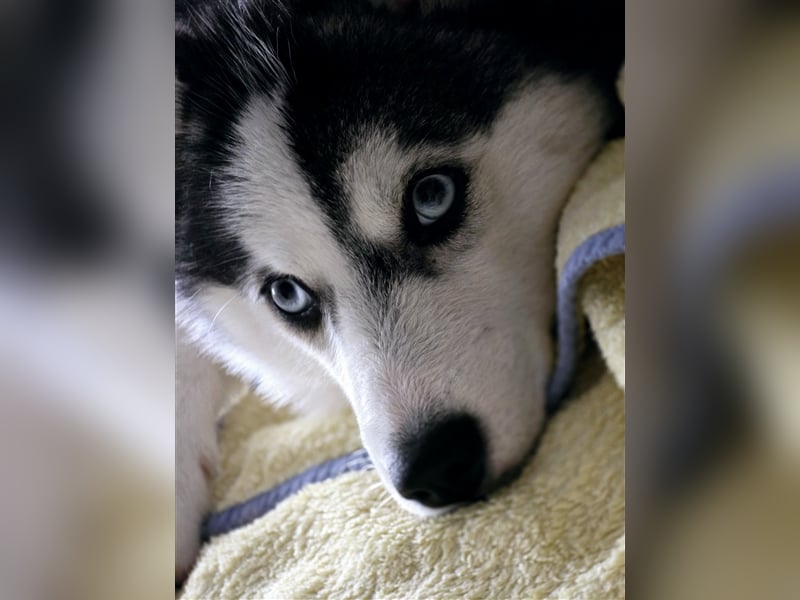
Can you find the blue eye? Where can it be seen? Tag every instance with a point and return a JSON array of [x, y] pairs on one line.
[[432, 197], [289, 296]]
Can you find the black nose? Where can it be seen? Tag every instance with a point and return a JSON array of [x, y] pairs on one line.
[[443, 463]]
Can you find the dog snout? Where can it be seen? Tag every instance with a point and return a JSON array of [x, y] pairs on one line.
[[442, 463]]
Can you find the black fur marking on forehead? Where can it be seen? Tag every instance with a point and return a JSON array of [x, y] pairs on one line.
[[435, 79], [425, 83], [345, 67]]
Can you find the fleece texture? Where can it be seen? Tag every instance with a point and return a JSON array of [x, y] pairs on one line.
[[558, 531], [596, 211]]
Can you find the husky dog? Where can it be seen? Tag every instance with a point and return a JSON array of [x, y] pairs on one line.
[[367, 200]]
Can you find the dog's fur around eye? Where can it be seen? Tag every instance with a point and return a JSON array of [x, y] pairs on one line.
[[302, 127]]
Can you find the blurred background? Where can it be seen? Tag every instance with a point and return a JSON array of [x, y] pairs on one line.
[[713, 299], [86, 302], [86, 299]]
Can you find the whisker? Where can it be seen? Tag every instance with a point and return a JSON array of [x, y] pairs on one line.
[[219, 312]]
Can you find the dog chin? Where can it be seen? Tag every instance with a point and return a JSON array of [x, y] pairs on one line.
[[411, 506], [420, 510]]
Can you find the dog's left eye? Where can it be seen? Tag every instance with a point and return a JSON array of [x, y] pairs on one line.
[[294, 301], [289, 296], [433, 196]]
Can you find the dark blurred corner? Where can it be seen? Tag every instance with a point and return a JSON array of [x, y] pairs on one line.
[[713, 289], [86, 302]]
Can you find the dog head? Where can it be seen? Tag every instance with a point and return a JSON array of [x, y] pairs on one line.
[[367, 199]]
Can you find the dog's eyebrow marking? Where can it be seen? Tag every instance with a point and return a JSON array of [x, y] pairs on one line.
[[366, 198], [372, 181]]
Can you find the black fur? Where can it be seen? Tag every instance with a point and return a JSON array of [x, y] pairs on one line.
[[434, 78]]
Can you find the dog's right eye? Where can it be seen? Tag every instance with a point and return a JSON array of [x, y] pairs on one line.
[[435, 204], [433, 196]]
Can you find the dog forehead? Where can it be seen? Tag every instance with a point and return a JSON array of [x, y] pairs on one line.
[[322, 164], [414, 82], [279, 219]]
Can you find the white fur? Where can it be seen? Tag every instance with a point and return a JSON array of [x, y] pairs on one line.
[[200, 392]]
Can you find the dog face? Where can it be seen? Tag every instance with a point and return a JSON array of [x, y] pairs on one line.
[[367, 207]]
